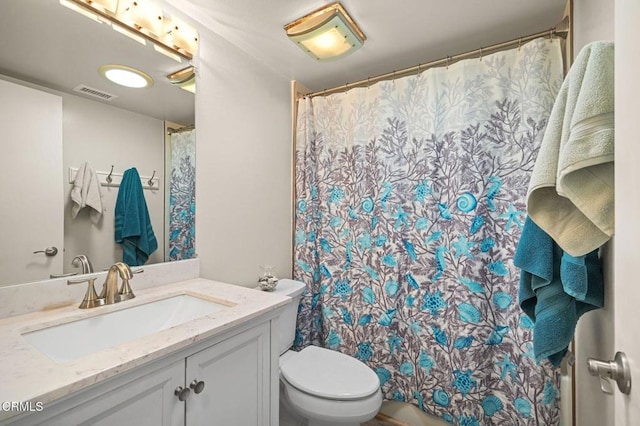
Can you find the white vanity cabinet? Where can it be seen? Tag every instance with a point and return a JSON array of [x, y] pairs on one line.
[[236, 374], [237, 371]]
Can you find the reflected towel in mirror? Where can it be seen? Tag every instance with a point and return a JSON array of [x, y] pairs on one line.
[[132, 223], [86, 192]]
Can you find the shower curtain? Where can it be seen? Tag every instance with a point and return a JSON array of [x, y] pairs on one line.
[[182, 195], [409, 205]]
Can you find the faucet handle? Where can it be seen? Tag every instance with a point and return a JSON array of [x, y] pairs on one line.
[[82, 261], [91, 299], [125, 291], [125, 274]]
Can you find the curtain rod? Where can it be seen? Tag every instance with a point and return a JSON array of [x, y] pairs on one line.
[[561, 30]]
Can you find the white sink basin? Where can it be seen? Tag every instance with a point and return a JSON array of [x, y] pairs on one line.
[[73, 340]]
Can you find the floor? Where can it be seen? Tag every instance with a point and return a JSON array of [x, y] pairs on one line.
[[384, 420], [394, 413]]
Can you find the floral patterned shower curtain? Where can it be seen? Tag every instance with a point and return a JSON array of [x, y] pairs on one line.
[[182, 195], [410, 203]]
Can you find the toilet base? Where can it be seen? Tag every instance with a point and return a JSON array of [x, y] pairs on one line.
[[290, 416]]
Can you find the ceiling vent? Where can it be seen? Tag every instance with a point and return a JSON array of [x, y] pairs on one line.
[[96, 93]]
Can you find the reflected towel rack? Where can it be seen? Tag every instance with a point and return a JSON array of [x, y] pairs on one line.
[[116, 178]]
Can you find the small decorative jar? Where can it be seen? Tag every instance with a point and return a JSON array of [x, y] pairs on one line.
[[268, 280]]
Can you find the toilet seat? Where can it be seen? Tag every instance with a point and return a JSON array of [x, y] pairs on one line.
[[329, 374]]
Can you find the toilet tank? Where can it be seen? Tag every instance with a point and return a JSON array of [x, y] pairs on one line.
[[287, 321]]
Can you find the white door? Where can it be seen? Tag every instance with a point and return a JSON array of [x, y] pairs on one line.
[[31, 215], [615, 328], [627, 239]]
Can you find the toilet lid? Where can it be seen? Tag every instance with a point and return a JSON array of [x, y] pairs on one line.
[[329, 374]]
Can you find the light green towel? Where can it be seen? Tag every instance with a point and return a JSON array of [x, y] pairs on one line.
[[571, 192]]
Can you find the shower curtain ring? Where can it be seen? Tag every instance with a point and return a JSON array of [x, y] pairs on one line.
[[368, 82], [480, 53], [519, 43], [551, 33]]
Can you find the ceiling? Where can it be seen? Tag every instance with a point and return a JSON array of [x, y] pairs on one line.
[[400, 33], [50, 45]]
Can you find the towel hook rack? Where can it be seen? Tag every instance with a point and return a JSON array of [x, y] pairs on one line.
[[151, 180], [109, 179]]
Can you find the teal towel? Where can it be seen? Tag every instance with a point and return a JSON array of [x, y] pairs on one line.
[[555, 290], [132, 224]]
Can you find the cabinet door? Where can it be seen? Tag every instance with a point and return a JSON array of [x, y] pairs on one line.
[[236, 373], [146, 401]]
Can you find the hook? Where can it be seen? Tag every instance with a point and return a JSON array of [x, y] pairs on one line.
[[151, 183], [109, 179], [346, 87]]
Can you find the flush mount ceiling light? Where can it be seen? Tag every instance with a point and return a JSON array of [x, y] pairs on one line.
[[126, 76], [143, 21], [327, 33], [184, 79]]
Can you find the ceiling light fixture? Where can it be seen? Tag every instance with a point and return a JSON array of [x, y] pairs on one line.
[[327, 33], [142, 20], [126, 76], [184, 78]]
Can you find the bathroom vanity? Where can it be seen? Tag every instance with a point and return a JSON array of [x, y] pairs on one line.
[[216, 365]]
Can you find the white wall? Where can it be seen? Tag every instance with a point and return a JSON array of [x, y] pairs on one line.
[[103, 135], [594, 20], [243, 165]]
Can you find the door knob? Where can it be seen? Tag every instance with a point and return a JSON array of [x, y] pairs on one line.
[[49, 251], [182, 393], [617, 370], [197, 386]]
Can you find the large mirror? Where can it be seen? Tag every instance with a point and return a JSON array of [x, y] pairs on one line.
[[59, 113]]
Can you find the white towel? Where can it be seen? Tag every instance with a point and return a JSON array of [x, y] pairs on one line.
[[86, 193], [571, 193]]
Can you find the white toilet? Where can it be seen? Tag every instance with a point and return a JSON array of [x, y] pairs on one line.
[[318, 386]]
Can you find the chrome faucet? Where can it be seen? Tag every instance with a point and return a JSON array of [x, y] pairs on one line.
[[82, 261]]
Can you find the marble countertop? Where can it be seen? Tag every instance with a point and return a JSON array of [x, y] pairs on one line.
[[28, 375]]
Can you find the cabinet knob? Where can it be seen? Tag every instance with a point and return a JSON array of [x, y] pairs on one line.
[[182, 393], [197, 386]]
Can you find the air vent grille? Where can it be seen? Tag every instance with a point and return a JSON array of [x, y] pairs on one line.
[[96, 93]]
